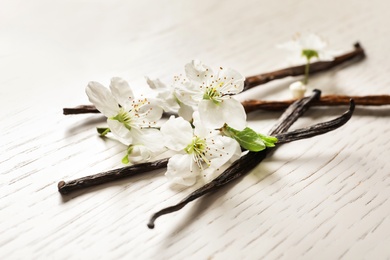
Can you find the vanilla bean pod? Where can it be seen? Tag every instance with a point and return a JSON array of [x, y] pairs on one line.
[[108, 176], [272, 105], [82, 109], [356, 54], [329, 100], [316, 129], [247, 162]]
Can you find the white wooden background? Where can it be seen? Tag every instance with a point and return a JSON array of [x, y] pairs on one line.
[[321, 198]]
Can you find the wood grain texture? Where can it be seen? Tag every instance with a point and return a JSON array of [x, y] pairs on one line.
[[320, 198]]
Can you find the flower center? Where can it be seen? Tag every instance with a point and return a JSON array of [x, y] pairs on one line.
[[124, 118], [213, 94], [198, 150]]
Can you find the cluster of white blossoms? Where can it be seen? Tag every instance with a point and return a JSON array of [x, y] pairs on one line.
[[305, 48], [206, 135]]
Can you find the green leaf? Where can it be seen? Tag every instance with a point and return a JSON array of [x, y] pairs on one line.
[[103, 130], [269, 141], [308, 53], [247, 138], [125, 160]]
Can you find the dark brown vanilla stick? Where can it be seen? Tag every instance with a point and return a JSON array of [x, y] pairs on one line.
[[317, 129], [330, 100], [82, 109], [356, 54], [113, 175], [246, 163], [272, 105]]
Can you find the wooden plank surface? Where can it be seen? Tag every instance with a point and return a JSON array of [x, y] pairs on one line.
[[321, 198]]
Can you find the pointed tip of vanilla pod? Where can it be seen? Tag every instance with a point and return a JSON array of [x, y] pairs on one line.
[[351, 104], [60, 186], [151, 225], [317, 92], [359, 47], [152, 220]]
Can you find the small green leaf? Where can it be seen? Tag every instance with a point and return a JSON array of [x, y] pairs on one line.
[[269, 141], [125, 160], [103, 130], [308, 53], [247, 138]]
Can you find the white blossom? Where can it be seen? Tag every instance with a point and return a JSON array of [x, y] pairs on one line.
[[198, 150], [308, 43], [167, 98], [129, 119], [211, 94]]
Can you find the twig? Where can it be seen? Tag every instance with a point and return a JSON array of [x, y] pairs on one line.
[[109, 176], [247, 162], [252, 81], [330, 100]]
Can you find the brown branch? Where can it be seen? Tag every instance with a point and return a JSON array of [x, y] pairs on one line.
[[315, 67], [330, 100]]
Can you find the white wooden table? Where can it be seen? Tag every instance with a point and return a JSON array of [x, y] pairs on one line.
[[320, 198]]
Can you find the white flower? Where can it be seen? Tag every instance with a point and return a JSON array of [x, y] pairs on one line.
[[298, 89], [210, 93], [168, 101], [127, 117], [198, 148], [165, 95], [308, 44]]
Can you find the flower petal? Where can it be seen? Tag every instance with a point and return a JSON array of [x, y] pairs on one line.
[[140, 153], [182, 170], [156, 84], [121, 133], [147, 112], [222, 149], [189, 95], [222, 157], [177, 133], [230, 81], [165, 95], [122, 92], [229, 111], [149, 137], [102, 98], [197, 71], [186, 112]]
